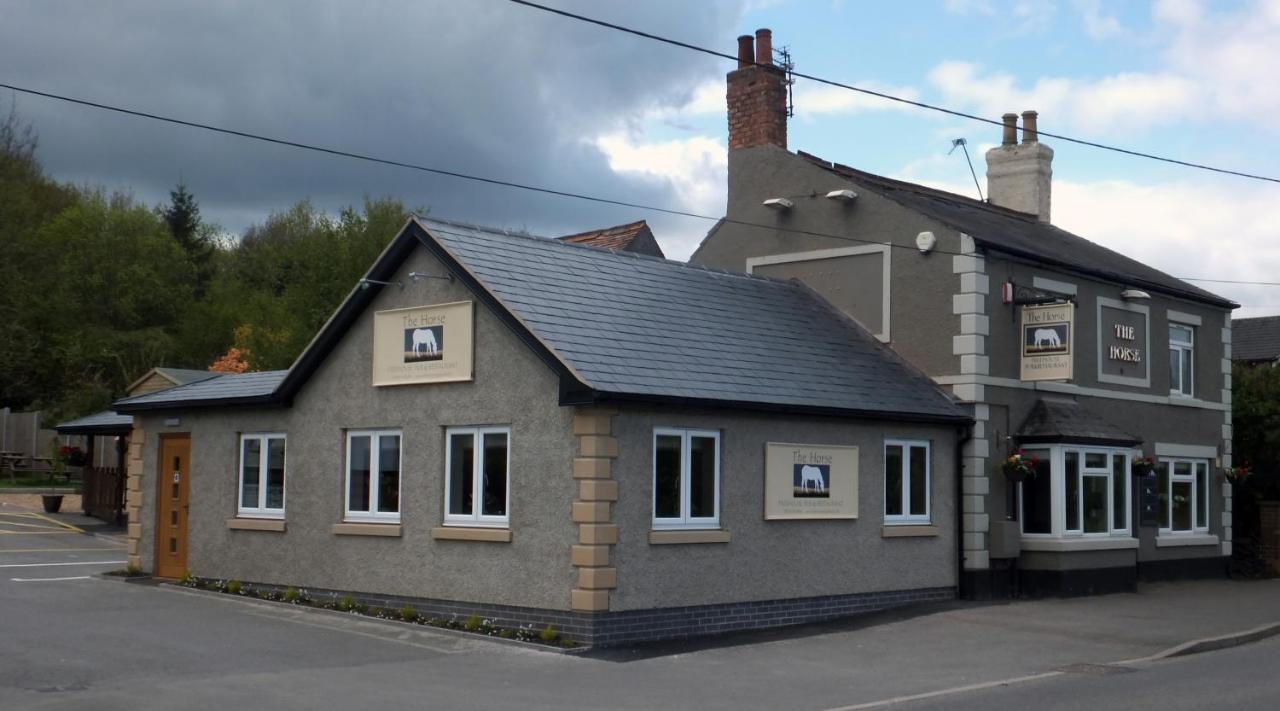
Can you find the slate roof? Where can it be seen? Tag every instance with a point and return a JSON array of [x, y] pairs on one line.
[[222, 389], [105, 422], [1055, 420], [182, 376], [1255, 339], [631, 237], [638, 326], [1022, 234]]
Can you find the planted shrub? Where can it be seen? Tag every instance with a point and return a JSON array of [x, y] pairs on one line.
[[233, 587], [408, 614], [548, 634], [291, 595], [472, 624], [347, 603]]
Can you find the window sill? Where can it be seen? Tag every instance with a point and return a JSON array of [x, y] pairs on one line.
[[367, 529], [459, 533], [1102, 543], [899, 530], [256, 524], [661, 538], [1173, 540]]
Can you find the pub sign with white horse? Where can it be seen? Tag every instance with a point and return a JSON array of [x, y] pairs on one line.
[[423, 344], [807, 481], [1047, 348]]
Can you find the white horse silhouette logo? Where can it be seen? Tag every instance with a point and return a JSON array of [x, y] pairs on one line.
[[424, 339], [1047, 337], [812, 475]]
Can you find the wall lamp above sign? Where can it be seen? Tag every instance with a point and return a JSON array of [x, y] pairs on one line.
[[1134, 295], [415, 276], [780, 204], [365, 283]]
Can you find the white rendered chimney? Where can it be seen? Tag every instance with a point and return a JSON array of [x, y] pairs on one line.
[[1020, 175]]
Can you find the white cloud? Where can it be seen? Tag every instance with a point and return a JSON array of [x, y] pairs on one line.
[[966, 7], [1097, 24], [817, 99]]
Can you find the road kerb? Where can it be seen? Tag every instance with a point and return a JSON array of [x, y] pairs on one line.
[[1211, 644]]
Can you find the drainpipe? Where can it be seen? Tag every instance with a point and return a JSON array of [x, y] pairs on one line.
[[965, 434]]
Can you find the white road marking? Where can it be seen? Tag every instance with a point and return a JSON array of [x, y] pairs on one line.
[[50, 580], [50, 565]]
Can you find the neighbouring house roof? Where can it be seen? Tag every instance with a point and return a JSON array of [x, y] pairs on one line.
[[220, 389], [1054, 420], [1255, 340], [174, 376], [619, 326], [107, 422], [1022, 234], [631, 237]]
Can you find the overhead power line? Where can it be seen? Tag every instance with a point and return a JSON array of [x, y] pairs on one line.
[[481, 179], [883, 95]]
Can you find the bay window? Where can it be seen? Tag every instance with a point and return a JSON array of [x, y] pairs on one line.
[[1077, 491]]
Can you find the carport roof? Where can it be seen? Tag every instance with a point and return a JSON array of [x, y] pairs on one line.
[[107, 422]]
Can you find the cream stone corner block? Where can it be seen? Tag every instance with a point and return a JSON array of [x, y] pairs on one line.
[[969, 392], [971, 344], [967, 245], [974, 467], [976, 522], [1226, 519], [589, 556], [133, 547], [1226, 548], [1226, 431], [980, 429], [1226, 351], [979, 324], [967, 304], [974, 364], [1226, 397], [589, 600], [975, 541], [591, 512], [597, 578], [1226, 446], [975, 485], [1226, 365], [1226, 533], [977, 560], [135, 531], [591, 422], [598, 490], [1226, 503], [1226, 487], [1226, 381], [974, 504], [598, 533], [1226, 416], [974, 283], [976, 448], [981, 411], [962, 263], [135, 560], [592, 467], [598, 446], [1226, 335]]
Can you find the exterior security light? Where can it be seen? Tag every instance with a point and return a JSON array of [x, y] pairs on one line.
[[925, 242], [842, 195], [364, 283], [779, 203], [1134, 295]]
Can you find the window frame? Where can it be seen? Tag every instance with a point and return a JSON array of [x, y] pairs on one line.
[[1059, 526], [476, 518], [906, 518], [261, 510], [373, 515], [1197, 527], [1187, 351], [685, 521]]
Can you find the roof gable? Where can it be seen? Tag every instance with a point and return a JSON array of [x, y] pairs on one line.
[[632, 237]]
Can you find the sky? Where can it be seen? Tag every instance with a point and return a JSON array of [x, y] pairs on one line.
[[490, 88]]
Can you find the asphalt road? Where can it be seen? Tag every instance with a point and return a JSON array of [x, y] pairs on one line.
[[72, 640]]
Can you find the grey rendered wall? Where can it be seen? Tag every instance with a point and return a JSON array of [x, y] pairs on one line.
[[922, 323], [511, 388], [776, 559]]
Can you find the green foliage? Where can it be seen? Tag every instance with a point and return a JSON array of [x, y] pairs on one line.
[[291, 595], [233, 587], [408, 614], [548, 634], [347, 603], [472, 623], [188, 580]]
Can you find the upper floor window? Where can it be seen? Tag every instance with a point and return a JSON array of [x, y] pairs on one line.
[[906, 481], [478, 473], [1181, 359], [686, 478], [261, 475], [373, 476]]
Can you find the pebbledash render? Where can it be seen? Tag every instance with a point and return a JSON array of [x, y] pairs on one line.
[[1140, 364], [540, 432]]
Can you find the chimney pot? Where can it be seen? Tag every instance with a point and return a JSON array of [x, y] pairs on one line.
[[764, 46], [746, 50], [1029, 132], [1010, 129]]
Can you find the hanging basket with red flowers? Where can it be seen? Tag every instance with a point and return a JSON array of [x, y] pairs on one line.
[[1236, 475], [1142, 466], [72, 456], [1019, 466]]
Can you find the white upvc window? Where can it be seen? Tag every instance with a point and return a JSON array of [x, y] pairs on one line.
[[373, 476], [686, 478], [1078, 491], [477, 489], [906, 481], [1181, 359], [1183, 486], [262, 476]]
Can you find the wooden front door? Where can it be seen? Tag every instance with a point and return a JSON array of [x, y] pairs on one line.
[[172, 500]]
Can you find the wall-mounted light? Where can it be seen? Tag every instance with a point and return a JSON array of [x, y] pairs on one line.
[[842, 195], [780, 204], [415, 276], [1134, 295], [364, 283], [925, 242]]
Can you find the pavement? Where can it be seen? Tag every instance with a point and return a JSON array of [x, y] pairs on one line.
[[71, 639]]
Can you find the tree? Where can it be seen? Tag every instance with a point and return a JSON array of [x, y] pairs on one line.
[[183, 218]]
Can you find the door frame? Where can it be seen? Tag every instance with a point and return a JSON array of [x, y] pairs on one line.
[[159, 490]]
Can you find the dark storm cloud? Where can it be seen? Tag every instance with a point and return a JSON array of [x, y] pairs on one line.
[[483, 87]]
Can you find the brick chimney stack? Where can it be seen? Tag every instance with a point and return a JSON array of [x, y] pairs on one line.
[[757, 96], [1020, 175]]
